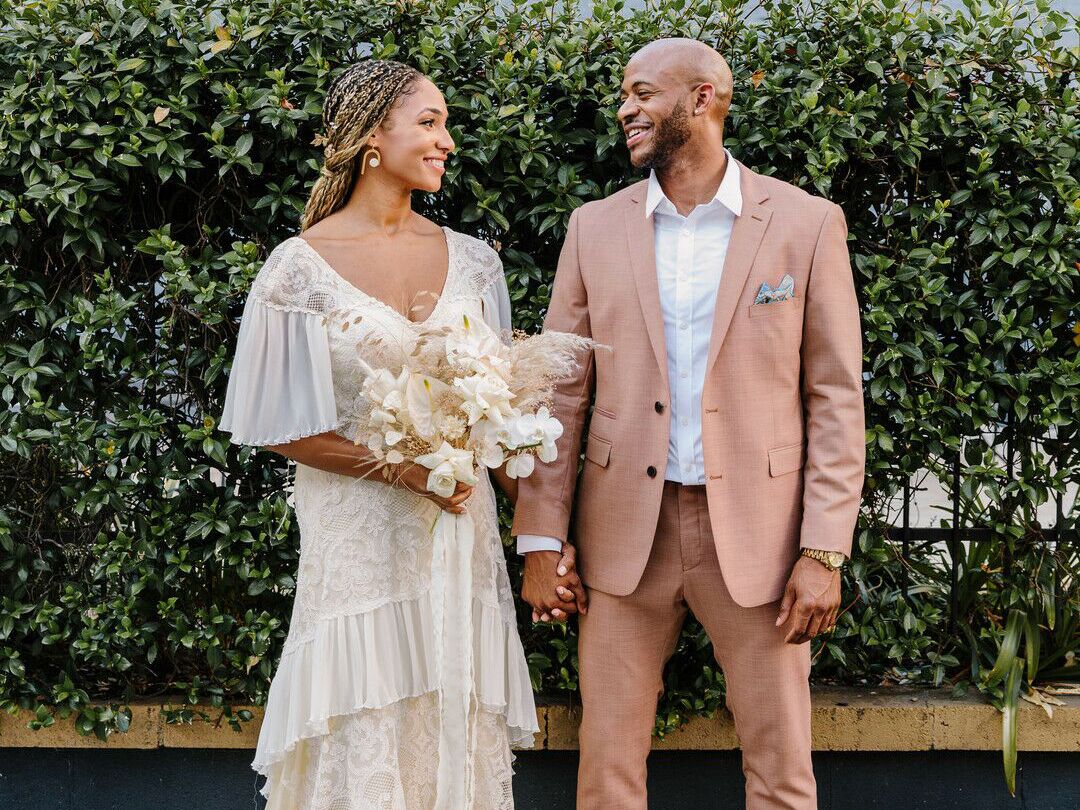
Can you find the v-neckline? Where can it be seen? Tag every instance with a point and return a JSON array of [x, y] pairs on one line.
[[375, 299]]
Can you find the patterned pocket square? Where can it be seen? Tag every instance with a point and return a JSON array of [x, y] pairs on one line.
[[781, 292]]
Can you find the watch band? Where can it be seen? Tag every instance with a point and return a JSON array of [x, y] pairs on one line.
[[830, 559]]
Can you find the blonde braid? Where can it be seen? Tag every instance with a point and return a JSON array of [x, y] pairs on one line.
[[356, 103]]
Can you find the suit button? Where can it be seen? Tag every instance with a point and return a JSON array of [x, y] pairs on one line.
[[651, 471], [659, 407]]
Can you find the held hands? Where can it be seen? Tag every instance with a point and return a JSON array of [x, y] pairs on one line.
[[811, 601], [551, 585], [413, 477]]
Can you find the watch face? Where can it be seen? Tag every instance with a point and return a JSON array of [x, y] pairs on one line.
[[836, 559]]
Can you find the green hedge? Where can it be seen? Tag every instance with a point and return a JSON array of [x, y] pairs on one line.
[[152, 153]]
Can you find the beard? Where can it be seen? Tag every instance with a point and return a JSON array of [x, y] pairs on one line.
[[671, 134]]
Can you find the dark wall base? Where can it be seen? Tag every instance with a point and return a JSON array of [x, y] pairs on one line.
[[177, 779]]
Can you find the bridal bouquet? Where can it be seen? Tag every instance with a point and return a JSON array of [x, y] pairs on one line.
[[464, 398]]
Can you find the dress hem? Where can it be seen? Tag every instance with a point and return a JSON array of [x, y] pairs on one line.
[[375, 659]]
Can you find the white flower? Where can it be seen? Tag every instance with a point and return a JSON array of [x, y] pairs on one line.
[[422, 396], [452, 426], [386, 394], [550, 430], [484, 438], [484, 396], [520, 466], [448, 465], [539, 430], [491, 455], [475, 348]]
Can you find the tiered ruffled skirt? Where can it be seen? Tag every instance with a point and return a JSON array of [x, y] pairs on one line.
[[352, 718]]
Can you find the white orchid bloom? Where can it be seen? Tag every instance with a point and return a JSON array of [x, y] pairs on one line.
[[518, 432], [448, 465], [491, 455], [484, 438], [549, 429], [539, 430], [521, 465]]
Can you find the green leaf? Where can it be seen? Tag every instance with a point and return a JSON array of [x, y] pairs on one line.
[[243, 143], [35, 353], [1008, 723], [1032, 642], [1010, 643]]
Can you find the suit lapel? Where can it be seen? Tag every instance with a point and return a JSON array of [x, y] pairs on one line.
[[746, 236], [639, 235]]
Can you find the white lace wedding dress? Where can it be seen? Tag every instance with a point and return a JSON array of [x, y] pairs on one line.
[[352, 721]]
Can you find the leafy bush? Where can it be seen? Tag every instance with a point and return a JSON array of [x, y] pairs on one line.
[[153, 153]]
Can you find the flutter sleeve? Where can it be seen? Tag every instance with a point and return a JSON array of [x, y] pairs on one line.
[[496, 299], [280, 388]]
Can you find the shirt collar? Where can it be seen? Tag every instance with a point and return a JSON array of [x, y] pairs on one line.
[[729, 194]]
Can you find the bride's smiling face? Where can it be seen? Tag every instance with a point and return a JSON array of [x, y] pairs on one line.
[[414, 140]]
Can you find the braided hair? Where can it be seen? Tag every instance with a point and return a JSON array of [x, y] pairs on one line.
[[358, 100]]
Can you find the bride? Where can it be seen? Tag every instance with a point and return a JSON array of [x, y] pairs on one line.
[[353, 716]]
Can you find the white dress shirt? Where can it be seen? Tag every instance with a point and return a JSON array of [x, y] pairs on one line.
[[690, 253]]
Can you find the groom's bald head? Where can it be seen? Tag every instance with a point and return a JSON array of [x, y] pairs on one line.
[[674, 90], [691, 62]]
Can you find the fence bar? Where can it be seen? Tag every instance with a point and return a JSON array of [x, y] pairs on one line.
[[954, 545], [905, 541], [1009, 467]]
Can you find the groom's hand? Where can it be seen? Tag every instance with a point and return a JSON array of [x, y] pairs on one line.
[[811, 601], [570, 588], [551, 585]]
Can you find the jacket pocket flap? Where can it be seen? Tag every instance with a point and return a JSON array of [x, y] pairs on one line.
[[598, 450], [783, 460]]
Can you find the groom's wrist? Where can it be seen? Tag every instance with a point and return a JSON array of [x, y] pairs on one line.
[[537, 542]]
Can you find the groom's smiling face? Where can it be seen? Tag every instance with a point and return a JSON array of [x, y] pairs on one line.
[[654, 114], [675, 97]]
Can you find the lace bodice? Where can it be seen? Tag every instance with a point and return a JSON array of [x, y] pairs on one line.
[[295, 277], [363, 542]]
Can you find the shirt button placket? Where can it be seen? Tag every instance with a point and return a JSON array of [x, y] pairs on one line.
[[686, 343]]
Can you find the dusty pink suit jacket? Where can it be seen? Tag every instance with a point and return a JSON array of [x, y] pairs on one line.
[[782, 405]]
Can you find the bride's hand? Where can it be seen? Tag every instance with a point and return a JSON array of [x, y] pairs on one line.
[[413, 477]]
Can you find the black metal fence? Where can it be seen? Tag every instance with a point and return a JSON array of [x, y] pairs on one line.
[[913, 539]]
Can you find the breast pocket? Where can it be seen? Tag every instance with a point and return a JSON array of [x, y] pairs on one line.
[[777, 309]]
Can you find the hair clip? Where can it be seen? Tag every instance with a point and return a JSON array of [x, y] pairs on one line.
[[324, 142]]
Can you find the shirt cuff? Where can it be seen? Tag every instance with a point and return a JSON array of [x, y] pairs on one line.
[[537, 542]]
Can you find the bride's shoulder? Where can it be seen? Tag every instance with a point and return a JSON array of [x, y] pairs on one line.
[[475, 249], [478, 262], [289, 276], [288, 250]]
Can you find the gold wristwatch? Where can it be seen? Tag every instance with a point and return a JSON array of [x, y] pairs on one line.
[[833, 560]]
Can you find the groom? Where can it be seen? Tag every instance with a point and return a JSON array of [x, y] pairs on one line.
[[724, 456]]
